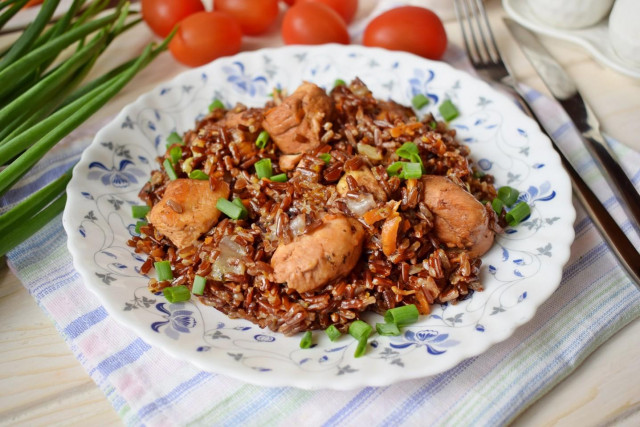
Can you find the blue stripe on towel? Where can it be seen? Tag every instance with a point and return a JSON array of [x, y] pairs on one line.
[[85, 322], [129, 354], [174, 394]]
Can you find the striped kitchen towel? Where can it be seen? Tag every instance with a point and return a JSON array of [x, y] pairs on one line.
[[594, 300]]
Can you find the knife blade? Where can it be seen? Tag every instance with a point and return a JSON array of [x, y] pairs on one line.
[[565, 91]]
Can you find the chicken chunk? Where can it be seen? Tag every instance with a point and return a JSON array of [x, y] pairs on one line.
[[249, 118], [295, 125], [460, 219], [365, 179], [288, 162], [187, 210], [313, 260]]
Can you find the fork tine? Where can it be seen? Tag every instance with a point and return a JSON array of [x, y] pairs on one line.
[[465, 39], [479, 42], [463, 14], [483, 13], [477, 11]]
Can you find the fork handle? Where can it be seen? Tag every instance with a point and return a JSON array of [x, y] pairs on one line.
[[618, 242]]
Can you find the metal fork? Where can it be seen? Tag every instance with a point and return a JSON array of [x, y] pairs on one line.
[[485, 57], [481, 47]]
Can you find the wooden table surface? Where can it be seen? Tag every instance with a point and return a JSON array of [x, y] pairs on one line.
[[41, 383]]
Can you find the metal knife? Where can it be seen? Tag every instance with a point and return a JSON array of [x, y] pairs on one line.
[[563, 88]]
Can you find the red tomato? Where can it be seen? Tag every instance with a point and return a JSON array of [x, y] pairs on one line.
[[345, 8], [289, 2], [162, 15], [254, 16], [313, 23], [409, 28], [205, 36]]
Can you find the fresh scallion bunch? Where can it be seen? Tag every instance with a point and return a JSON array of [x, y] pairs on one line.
[[43, 98]]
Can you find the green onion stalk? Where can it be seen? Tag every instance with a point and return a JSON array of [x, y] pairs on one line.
[[14, 7], [41, 103]]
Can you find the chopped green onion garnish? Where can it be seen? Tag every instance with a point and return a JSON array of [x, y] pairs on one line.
[[168, 167], [305, 342], [339, 82], [176, 155], [263, 168], [411, 170], [361, 348], [140, 224], [198, 174], [394, 168], [433, 125], [518, 213], [419, 101], [140, 211], [359, 329], [263, 139], [326, 157], [216, 104], [198, 285], [174, 138], [408, 151], [448, 110], [231, 209], [497, 205], [402, 316], [177, 293], [332, 332], [508, 195], [281, 177], [387, 329], [163, 268], [238, 202]]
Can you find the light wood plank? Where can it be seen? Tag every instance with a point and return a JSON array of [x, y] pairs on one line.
[[41, 382], [603, 390]]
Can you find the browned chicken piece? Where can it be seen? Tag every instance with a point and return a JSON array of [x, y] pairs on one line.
[[295, 125], [187, 209], [247, 118], [288, 162], [313, 260], [460, 219], [365, 179]]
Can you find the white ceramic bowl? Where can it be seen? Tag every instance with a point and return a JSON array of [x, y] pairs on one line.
[[571, 13], [624, 30]]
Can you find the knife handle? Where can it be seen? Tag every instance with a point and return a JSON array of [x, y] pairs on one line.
[[618, 242]]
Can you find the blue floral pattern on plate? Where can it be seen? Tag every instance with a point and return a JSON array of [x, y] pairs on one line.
[[519, 273]]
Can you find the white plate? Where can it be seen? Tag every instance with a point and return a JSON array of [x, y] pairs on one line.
[[594, 39], [520, 272]]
